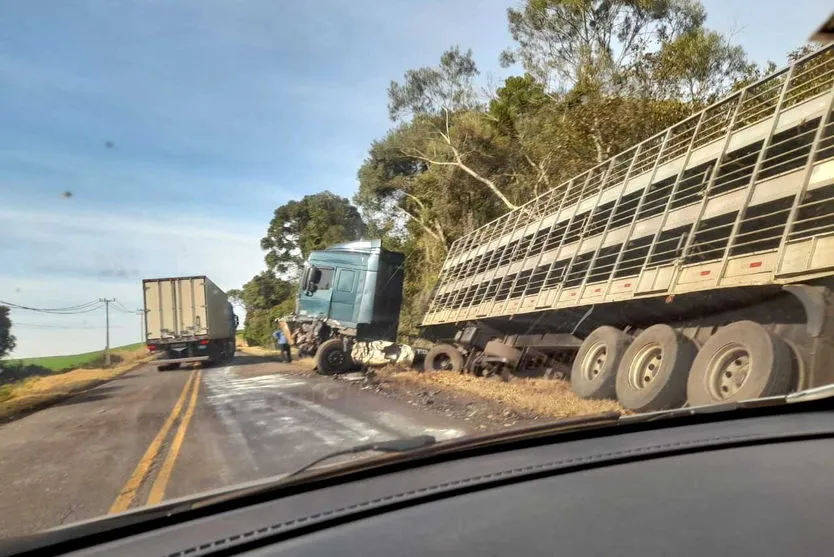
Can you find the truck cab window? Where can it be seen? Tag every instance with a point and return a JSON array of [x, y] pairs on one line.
[[322, 278], [345, 282]]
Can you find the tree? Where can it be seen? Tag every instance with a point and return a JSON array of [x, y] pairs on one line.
[[261, 323], [565, 43], [445, 88], [518, 97], [266, 298], [436, 98], [698, 67], [265, 290], [315, 222], [7, 340]]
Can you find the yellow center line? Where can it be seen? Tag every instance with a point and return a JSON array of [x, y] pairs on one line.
[[161, 482], [128, 492]]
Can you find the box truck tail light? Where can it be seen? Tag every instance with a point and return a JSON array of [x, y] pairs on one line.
[[204, 341], [152, 347]]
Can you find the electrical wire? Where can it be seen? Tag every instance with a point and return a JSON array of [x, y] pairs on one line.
[[69, 310], [72, 327], [122, 308]]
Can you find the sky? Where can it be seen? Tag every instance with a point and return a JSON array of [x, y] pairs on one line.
[[179, 126]]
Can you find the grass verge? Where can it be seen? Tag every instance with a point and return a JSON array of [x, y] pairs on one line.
[[71, 361], [33, 393]]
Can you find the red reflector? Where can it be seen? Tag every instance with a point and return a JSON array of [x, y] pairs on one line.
[[627, 285], [705, 273], [572, 294], [204, 341], [755, 264], [598, 290], [152, 347]]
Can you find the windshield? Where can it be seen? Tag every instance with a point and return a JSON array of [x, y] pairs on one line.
[[240, 236]]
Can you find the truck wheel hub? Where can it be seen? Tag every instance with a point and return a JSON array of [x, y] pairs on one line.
[[594, 361], [645, 366], [728, 371]]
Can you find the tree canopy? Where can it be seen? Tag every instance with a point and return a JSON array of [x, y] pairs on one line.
[[314, 222]]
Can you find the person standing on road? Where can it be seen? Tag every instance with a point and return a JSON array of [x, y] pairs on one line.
[[282, 344]]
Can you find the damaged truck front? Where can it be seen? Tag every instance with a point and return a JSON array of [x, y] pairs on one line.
[[348, 307]]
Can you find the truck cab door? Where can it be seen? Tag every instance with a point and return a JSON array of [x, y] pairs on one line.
[[316, 290], [344, 298]]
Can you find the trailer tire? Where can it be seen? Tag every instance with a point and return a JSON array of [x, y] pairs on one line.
[[654, 370], [594, 371], [331, 357], [443, 357], [163, 368], [741, 361]]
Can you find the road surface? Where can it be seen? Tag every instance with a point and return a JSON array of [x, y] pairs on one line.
[[149, 436]]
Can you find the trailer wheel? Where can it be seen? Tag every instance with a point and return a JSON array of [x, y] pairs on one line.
[[443, 357], [594, 370], [163, 368], [331, 357], [740, 361], [653, 372]]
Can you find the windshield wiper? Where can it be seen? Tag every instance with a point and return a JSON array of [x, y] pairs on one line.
[[393, 446]]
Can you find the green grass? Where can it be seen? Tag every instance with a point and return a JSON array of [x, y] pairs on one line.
[[71, 361]]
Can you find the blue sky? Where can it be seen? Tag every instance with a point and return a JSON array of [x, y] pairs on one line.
[[179, 126]]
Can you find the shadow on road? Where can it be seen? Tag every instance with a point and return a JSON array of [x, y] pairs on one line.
[[93, 395], [248, 359]]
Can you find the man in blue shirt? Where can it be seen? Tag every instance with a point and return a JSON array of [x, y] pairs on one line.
[[282, 344]]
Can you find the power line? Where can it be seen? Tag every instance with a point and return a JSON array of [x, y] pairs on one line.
[[72, 327], [69, 310], [122, 308]]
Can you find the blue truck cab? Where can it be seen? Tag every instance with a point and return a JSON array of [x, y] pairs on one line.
[[350, 291]]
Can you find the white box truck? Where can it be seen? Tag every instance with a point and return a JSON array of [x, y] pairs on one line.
[[188, 319]]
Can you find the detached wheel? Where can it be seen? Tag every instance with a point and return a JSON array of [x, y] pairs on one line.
[[331, 357], [654, 370], [594, 370], [741, 361], [443, 357]]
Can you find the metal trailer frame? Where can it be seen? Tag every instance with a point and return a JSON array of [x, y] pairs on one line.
[[740, 194]]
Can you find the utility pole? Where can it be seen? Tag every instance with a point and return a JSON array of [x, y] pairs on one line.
[[107, 303], [141, 314]]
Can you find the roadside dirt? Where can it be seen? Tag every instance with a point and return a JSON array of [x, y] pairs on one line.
[[26, 396], [489, 403]]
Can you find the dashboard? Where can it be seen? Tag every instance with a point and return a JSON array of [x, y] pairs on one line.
[[756, 482]]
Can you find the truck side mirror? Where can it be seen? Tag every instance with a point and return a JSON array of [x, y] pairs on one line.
[[313, 280]]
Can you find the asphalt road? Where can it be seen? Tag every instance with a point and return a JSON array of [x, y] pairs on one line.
[[149, 436]]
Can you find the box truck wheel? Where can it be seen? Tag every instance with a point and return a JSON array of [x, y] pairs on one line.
[[653, 372], [443, 357], [331, 357], [740, 361], [594, 370]]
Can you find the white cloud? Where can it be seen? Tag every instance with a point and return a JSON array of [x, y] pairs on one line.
[[60, 260]]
